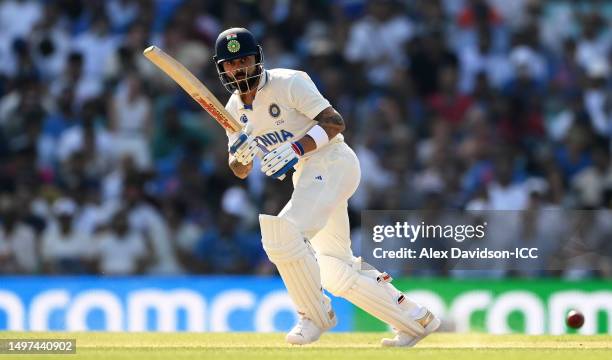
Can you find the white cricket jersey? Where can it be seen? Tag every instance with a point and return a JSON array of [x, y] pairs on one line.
[[286, 103]]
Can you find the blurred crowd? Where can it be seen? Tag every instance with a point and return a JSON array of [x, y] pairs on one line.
[[107, 167]]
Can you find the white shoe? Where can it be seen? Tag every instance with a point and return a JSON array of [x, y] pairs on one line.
[[306, 332], [429, 322]]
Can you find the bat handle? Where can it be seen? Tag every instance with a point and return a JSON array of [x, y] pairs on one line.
[[264, 152]]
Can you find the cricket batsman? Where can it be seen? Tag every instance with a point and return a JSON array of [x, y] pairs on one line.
[[308, 240]]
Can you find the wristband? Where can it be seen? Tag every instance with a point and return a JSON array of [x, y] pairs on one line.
[[318, 134], [298, 148]]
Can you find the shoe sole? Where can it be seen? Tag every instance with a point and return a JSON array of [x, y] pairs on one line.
[[300, 342], [431, 327]]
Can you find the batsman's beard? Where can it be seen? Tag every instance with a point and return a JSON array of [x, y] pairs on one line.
[[243, 84], [246, 85]]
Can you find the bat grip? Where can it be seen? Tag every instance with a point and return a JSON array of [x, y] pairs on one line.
[[264, 152]]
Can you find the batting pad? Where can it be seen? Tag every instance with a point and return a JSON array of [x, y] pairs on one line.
[[379, 298], [298, 267]]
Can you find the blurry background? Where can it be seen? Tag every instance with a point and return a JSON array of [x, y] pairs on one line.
[[107, 167]]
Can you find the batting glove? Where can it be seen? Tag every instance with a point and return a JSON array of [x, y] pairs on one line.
[[279, 161], [244, 148]]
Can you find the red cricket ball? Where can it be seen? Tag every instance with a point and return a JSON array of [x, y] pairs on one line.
[[575, 319]]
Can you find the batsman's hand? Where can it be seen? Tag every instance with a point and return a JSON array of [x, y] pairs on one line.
[[245, 147], [279, 161]]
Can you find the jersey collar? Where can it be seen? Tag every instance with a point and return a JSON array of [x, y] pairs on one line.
[[265, 77]]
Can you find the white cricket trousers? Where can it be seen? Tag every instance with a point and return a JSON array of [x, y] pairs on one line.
[[323, 183]]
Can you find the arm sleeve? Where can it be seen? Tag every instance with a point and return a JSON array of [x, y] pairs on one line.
[[304, 96]]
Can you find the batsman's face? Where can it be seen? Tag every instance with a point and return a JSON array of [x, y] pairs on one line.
[[241, 70]]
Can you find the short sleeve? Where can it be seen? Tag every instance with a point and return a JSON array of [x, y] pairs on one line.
[[305, 97]]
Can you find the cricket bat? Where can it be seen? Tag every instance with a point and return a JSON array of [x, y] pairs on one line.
[[194, 87]]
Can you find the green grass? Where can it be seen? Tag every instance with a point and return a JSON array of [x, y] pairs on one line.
[[353, 346]]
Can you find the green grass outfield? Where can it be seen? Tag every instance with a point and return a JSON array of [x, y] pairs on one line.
[[353, 346]]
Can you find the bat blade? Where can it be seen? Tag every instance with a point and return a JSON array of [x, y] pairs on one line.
[[194, 87]]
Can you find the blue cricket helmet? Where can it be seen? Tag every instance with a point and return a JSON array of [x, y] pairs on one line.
[[233, 44]]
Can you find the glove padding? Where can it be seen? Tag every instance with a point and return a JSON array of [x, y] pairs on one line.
[[279, 161], [244, 148]]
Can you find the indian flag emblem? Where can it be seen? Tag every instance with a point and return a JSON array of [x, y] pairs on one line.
[[233, 45], [231, 36]]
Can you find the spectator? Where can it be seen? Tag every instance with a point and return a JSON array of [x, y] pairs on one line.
[[597, 98], [428, 55], [184, 235], [376, 42], [448, 103], [65, 249], [121, 13], [506, 192], [591, 183], [18, 245], [130, 122], [73, 79], [121, 238], [96, 44], [50, 42], [595, 42], [482, 59], [90, 138], [226, 250], [17, 17], [143, 217], [573, 155]]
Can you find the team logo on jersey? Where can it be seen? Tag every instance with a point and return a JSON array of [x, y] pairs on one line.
[[233, 45], [274, 110], [275, 137], [244, 119]]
